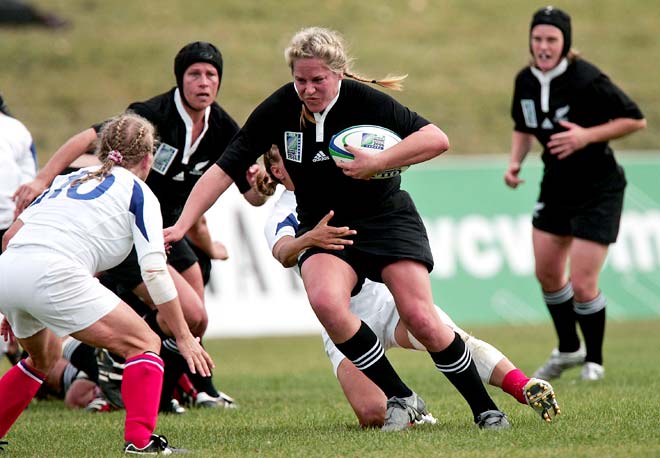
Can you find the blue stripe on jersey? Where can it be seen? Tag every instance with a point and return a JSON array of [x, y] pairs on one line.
[[137, 208], [34, 156], [290, 221]]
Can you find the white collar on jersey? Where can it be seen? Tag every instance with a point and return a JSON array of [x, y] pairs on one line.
[[320, 118], [189, 149], [545, 78]]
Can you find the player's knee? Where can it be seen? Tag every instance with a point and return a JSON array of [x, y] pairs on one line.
[[550, 281], [147, 341], [326, 309], [197, 320], [585, 288], [80, 393], [421, 325], [152, 342], [371, 416]]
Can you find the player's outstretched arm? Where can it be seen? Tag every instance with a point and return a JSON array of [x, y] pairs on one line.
[[197, 358], [206, 191], [65, 155], [287, 249]]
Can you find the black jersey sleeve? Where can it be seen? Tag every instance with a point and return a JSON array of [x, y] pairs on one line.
[[517, 114], [252, 140], [614, 102], [138, 108], [386, 110]]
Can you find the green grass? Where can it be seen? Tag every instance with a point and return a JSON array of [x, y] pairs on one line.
[[461, 56], [291, 405]]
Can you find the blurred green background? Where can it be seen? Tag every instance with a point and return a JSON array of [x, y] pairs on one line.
[[461, 57]]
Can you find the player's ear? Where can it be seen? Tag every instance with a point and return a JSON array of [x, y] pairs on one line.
[[276, 170]]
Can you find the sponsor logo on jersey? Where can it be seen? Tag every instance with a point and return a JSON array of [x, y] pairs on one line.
[[179, 177], [293, 142], [163, 158], [320, 156], [529, 112], [547, 124]]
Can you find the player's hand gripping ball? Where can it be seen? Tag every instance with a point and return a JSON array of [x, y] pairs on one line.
[[368, 137]]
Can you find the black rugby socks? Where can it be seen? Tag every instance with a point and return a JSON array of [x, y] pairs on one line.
[[560, 306], [455, 362], [366, 352]]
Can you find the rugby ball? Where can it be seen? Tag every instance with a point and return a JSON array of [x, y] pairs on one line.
[[369, 137]]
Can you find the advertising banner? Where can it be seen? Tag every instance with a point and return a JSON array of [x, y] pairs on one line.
[[480, 234]]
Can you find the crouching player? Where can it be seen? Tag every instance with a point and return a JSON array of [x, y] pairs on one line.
[[84, 223], [375, 305]]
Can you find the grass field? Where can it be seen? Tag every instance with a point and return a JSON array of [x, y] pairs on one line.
[[461, 57], [291, 405]]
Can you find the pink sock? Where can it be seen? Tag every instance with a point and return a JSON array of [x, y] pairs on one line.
[[513, 384], [17, 388], [140, 389]]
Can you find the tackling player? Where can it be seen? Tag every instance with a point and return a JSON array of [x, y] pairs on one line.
[[84, 223], [375, 305]]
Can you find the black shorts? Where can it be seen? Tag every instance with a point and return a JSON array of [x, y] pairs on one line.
[[128, 275], [396, 233], [596, 219]]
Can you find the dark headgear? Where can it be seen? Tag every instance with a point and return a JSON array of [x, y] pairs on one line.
[[555, 17], [3, 107], [199, 51]]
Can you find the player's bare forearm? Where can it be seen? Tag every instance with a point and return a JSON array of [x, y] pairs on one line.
[[204, 194]]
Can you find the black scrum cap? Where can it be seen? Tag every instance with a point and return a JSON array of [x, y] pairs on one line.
[[199, 51], [555, 17]]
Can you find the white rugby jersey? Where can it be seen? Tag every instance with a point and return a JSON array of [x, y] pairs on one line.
[[19, 164], [283, 219], [95, 222]]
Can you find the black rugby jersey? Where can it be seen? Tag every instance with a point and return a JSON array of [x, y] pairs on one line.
[[583, 95], [174, 185], [320, 184]]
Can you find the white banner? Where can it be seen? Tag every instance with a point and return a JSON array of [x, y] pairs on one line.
[[251, 293]]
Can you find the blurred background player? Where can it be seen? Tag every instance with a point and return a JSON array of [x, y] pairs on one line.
[[48, 289], [16, 13], [19, 165], [193, 132], [19, 162], [375, 305], [573, 110]]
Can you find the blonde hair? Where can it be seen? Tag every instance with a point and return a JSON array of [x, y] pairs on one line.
[[124, 140], [267, 184], [328, 45]]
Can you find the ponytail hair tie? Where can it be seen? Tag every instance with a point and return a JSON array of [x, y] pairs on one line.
[[115, 156]]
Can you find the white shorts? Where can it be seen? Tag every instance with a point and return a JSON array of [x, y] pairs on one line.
[[44, 289], [375, 306]]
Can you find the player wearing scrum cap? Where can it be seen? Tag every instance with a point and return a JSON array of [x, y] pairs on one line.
[[193, 132], [391, 244], [573, 110]]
